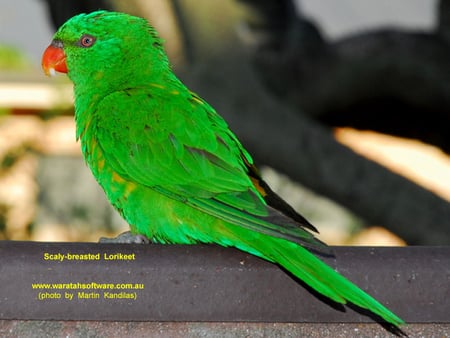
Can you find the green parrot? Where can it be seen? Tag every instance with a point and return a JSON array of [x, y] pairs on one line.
[[169, 163]]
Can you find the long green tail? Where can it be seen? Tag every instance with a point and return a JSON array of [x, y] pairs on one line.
[[307, 267]]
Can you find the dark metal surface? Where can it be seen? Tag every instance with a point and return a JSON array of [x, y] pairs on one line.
[[209, 283]]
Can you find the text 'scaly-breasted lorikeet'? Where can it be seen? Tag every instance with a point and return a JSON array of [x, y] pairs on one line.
[[168, 162]]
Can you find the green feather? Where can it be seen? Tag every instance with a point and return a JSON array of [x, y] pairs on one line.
[[169, 163]]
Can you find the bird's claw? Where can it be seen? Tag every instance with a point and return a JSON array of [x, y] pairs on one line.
[[126, 238]]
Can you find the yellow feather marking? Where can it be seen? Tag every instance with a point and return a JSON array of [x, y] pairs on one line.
[[101, 164], [258, 187], [86, 126], [128, 186], [196, 98], [99, 75], [117, 178], [92, 148], [156, 85]]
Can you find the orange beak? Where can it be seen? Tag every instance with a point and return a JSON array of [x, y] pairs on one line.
[[54, 59]]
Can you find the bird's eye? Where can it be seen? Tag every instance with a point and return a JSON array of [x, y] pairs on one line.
[[87, 41]]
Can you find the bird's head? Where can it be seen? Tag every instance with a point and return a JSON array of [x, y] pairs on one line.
[[105, 46]]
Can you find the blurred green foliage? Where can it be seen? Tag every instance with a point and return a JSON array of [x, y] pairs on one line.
[[12, 59]]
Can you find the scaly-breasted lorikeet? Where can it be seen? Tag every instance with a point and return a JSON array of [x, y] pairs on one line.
[[169, 163]]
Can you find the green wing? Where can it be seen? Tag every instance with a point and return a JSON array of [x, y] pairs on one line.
[[179, 146]]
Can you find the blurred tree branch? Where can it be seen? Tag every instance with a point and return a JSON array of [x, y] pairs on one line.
[[384, 80]]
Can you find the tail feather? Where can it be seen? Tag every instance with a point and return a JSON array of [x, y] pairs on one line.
[[321, 277]]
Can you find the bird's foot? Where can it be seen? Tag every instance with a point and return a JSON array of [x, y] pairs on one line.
[[126, 238]]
